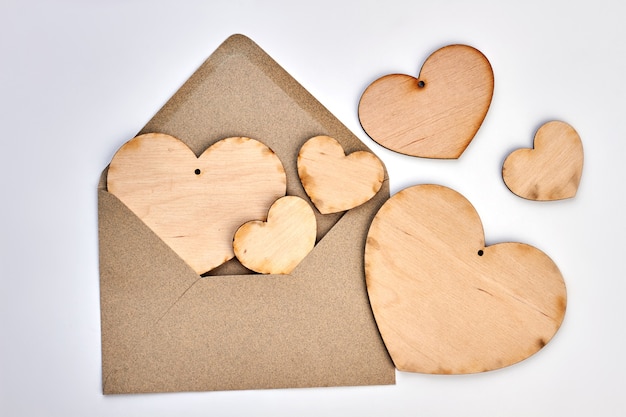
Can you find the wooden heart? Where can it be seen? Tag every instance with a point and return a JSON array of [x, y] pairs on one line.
[[195, 204], [443, 301], [433, 116], [335, 182], [279, 244], [549, 171]]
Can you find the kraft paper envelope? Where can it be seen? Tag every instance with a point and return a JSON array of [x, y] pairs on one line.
[[165, 328]]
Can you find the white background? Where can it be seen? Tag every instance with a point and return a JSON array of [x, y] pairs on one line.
[[79, 78]]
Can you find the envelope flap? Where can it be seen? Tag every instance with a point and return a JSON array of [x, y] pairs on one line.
[[240, 91], [136, 286]]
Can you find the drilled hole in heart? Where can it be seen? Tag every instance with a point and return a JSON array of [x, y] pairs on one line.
[[481, 253], [421, 84], [197, 171]]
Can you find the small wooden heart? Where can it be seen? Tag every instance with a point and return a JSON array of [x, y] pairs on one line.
[[195, 204], [446, 304], [433, 116], [279, 244], [551, 170], [335, 182]]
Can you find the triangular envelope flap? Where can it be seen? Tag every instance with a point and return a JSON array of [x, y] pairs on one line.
[[238, 91], [241, 91]]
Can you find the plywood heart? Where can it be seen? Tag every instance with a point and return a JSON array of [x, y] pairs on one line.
[[278, 245], [195, 204], [444, 302], [552, 169], [335, 182], [435, 115]]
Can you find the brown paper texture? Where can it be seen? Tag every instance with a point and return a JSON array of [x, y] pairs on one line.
[[164, 328]]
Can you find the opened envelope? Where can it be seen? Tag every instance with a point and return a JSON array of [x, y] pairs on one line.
[[166, 328]]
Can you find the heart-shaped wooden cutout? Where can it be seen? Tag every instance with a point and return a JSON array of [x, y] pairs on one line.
[[195, 204], [436, 115], [335, 182], [551, 170], [279, 244], [446, 304]]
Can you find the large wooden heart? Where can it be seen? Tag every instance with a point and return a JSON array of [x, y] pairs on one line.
[[444, 302], [435, 115], [195, 204]]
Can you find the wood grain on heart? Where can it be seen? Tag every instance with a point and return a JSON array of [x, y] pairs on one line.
[[435, 115], [444, 302], [195, 204], [551, 170], [335, 182], [278, 245]]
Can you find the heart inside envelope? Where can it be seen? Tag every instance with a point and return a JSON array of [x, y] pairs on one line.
[[335, 182], [195, 204]]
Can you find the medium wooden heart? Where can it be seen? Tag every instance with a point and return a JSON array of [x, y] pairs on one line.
[[433, 116], [444, 302], [195, 204], [279, 244], [551, 170], [335, 182]]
